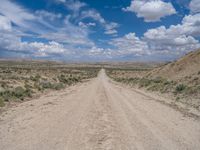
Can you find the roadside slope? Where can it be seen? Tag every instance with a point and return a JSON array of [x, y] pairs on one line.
[[188, 65]]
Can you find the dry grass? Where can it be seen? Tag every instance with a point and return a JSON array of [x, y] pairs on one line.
[[19, 80], [180, 79]]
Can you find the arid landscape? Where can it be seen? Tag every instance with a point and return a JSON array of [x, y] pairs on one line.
[[179, 80], [26, 79], [51, 105], [99, 74]]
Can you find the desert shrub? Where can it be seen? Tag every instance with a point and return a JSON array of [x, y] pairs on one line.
[[46, 85], [68, 80], [4, 85], [28, 92], [6, 95], [59, 86], [32, 78], [179, 88], [144, 82], [177, 98], [153, 88], [62, 78], [16, 93], [166, 82], [19, 92], [37, 86], [35, 78], [1, 102], [157, 80], [27, 86], [74, 79]]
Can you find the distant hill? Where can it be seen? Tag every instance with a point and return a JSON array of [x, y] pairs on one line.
[[187, 66]]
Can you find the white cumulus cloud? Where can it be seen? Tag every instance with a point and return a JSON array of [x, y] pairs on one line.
[[151, 10], [195, 6], [129, 44], [5, 23]]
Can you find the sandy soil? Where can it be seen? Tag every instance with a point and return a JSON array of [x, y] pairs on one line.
[[97, 115]]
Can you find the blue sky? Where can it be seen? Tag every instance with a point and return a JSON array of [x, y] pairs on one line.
[[99, 30]]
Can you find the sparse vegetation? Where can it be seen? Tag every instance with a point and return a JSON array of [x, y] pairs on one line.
[[19, 80], [1, 102], [178, 79], [183, 90], [180, 88]]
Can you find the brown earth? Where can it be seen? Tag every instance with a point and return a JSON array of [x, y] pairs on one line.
[[95, 115], [185, 67]]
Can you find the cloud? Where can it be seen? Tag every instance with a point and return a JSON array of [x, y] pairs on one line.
[[79, 15], [70, 34], [5, 23], [68, 37], [86, 25], [151, 10], [92, 14], [129, 44], [15, 13], [194, 6], [170, 40], [51, 47], [48, 15], [60, 1], [11, 42], [111, 31], [59, 39], [73, 5], [110, 27], [190, 26], [95, 51], [24, 19], [177, 39], [173, 41]]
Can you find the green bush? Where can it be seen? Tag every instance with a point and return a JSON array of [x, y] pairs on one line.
[[62, 78], [37, 86], [46, 85], [16, 93], [177, 98], [2, 102], [158, 80], [180, 88], [35, 78], [68, 80], [6, 95], [144, 82], [28, 92], [59, 86], [19, 92]]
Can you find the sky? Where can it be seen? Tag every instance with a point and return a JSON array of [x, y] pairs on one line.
[[99, 30]]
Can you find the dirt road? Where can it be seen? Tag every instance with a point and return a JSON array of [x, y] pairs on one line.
[[97, 115]]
